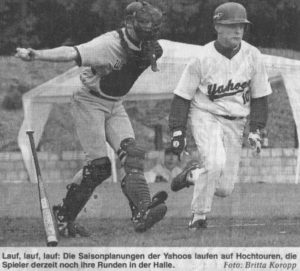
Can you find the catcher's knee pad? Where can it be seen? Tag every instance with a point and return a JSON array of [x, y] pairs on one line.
[[96, 172], [78, 194], [131, 156]]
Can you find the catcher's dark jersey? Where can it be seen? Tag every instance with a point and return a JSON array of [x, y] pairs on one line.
[[110, 70]]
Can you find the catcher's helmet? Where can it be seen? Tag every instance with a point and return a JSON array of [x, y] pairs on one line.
[[230, 13]]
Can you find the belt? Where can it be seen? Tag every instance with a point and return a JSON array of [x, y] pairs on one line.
[[97, 94], [231, 117]]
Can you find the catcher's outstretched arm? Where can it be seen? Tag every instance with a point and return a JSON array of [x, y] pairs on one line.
[[59, 54]]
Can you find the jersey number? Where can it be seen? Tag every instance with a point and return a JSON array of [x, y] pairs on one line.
[[246, 97]]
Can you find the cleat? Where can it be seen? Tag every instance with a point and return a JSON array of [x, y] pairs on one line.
[[61, 225], [76, 229], [158, 198], [152, 216], [180, 181], [197, 224], [66, 228]]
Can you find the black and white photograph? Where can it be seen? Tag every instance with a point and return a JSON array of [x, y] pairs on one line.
[[149, 135]]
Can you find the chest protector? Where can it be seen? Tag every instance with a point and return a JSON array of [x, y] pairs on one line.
[[118, 82]]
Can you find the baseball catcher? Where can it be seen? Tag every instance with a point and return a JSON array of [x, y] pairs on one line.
[[113, 62], [218, 89]]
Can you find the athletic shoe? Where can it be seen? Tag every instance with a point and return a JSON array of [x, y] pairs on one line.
[[77, 229], [158, 198], [152, 216], [197, 224], [180, 181], [66, 228]]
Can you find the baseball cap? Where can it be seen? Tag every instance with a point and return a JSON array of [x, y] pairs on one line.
[[169, 150], [230, 13]]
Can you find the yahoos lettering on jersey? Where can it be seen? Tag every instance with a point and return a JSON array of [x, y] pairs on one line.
[[215, 92]]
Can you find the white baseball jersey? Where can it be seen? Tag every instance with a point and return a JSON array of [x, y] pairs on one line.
[[219, 86], [224, 86]]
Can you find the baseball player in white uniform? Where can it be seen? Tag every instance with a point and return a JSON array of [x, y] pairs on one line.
[[113, 62], [219, 88]]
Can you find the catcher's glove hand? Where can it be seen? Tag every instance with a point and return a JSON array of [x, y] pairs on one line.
[[255, 141], [151, 51], [178, 142], [25, 54]]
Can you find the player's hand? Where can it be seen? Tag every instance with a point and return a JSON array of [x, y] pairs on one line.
[[178, 142], [25, 54], [255, 141]]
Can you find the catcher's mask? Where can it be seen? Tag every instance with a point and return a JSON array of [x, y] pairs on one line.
[[145, 19]]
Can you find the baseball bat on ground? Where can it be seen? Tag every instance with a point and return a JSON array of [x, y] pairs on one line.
[[47, 215]]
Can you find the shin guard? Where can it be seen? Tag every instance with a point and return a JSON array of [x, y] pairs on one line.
[[136, 190], [78, 194]]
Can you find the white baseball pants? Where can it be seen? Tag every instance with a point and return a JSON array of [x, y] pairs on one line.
[[219, 143]]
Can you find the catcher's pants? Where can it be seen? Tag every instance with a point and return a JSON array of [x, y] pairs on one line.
[[99, 121], [219, 142]]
